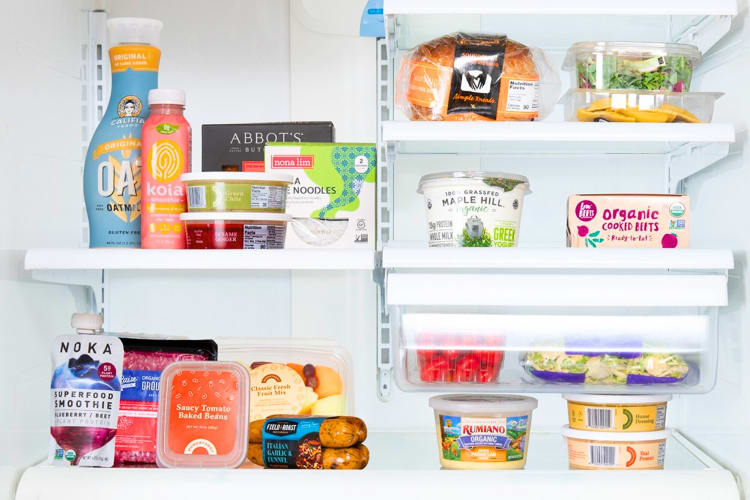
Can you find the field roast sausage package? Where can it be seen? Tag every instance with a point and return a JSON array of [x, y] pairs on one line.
[[84, 399], [144, 361], [467, 77]]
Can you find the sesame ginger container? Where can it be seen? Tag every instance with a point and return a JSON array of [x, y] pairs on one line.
[[473, 209], [477, 431]]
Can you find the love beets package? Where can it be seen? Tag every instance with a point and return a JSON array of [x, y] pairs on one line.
[[144, 361], [85, 399]]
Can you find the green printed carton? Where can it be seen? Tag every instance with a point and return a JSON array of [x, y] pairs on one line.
[[332, 197]]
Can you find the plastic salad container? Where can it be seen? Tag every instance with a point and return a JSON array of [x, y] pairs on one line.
[[589, 362], [235, 230], [616, 450], [632, 65], [605, 413], [236, 191], [478, 431], [633, 106], [203, 407], [473, 209], [293, 376], [453, 358]]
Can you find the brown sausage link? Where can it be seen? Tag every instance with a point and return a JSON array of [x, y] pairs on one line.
[[342, 432], [255, 453], [364, 452]]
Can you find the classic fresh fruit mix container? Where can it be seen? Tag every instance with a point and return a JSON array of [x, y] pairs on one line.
[[235, 230], [293, 376], [632, 65], [236, 192], [482, 431], [616, 450], [455, 358], [607, 413]]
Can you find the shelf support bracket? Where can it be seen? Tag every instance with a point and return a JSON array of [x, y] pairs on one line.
[[84, 284], [691, 159], [384, 347], [705, 33]]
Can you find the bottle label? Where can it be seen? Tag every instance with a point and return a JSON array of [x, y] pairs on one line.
[[112, 174]]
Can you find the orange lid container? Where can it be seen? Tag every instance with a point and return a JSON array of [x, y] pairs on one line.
[[203, 412]]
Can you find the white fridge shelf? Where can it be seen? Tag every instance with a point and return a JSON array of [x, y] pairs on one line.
[[553, 137], [115, 258], [555, 277], [572, 7], [401, 465]]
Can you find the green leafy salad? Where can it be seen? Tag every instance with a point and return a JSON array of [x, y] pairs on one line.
[[670, 73]]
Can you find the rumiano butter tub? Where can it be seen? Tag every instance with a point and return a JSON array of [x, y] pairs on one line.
[[473, 209], [605, 413], [616, 450], [478, 431]]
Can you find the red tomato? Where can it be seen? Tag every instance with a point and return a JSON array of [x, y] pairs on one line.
[[485, 376], [467, 368], [435, 370]]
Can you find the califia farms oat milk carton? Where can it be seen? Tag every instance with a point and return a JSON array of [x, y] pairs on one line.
[[628, 220]]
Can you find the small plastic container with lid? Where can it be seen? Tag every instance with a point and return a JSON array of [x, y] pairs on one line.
[[605, 413], [632, 65], [236, 191], [616, 450], [235, 230], [203, 407], [479, 431]]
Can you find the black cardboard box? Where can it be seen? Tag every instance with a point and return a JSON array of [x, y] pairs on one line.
[[240, 147]]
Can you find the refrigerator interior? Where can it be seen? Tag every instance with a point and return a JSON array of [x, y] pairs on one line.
[[270, 60]]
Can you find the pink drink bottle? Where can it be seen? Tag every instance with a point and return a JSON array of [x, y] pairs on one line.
[[166, 140]]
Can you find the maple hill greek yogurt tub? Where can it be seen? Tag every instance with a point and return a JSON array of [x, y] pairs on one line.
[[478, 431], [616, 450], [473, 209]]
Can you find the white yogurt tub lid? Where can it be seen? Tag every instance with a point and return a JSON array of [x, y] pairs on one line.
[[235, 176], [615, 436], [469, 174], [607, 399], [191, 216], [483, 403]]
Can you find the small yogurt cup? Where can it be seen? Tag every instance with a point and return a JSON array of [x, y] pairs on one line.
[[235, 230], [236, 191], [616, 450], [473, 209], [480, 431], [604, 413]]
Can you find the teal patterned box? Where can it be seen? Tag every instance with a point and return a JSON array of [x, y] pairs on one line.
[[332, 197]]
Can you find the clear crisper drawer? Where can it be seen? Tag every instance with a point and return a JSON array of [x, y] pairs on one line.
[[581, 350]]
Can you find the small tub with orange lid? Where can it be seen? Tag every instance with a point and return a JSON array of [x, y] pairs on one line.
[[203, 408]]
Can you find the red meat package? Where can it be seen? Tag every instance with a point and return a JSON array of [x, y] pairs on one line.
[[143, 362]]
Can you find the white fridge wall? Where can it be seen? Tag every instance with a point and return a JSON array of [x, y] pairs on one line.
[[40, 160], [231, 58], [718, 421]]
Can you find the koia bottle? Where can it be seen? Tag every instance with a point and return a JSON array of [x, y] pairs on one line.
[[166, 141], [112, 172]]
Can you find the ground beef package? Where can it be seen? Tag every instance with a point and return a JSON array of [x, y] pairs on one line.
[[143, 363]]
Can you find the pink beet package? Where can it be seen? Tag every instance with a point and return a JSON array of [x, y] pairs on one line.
[[143, 363]]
